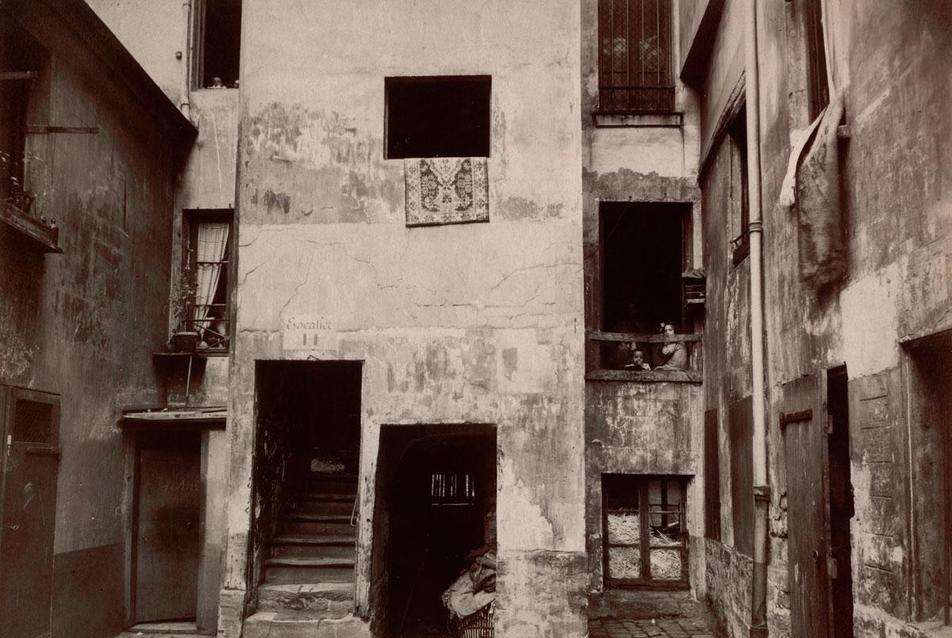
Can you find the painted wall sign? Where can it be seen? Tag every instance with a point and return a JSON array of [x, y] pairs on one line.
[[307, 332]]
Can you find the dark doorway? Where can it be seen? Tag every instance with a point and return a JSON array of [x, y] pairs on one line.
[[167, 525], [841, 503], [29, 422], [437, 511], [306, 467]]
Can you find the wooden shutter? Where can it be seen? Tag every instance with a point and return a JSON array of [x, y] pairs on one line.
[[742, 475], [803, 427]]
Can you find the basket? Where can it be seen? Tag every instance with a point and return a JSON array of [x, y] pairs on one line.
[[478, 625]]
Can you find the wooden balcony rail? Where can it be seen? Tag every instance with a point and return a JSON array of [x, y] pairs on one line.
[[599, 340]]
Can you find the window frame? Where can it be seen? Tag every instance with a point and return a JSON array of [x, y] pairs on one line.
[[198, 44], [643, 483], [191, 220], [658, 97]]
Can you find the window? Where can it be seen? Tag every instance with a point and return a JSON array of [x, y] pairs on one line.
[[642, 248], [739, 194], [437, 116], [207, 252], [816, 57], [452, 488], [634, 58], [644, 533], [23, 63], [217, 43]]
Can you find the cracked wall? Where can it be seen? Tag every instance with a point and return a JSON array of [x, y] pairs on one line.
[[897, 223], [464, 323]]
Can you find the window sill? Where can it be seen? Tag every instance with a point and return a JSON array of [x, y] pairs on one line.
[[616, 119], [646, 376]]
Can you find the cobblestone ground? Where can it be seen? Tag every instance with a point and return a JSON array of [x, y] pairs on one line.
[[661, 628]]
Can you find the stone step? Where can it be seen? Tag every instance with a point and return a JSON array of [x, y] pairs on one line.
[[322, 506], [331, 599], [303, 624], [303, 545], [299, 570], [331, 483], [316, 525]]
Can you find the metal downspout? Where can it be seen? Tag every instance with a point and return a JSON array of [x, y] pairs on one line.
[[758, 607]]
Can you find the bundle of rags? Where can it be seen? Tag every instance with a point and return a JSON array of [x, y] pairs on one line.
[[821, 244]]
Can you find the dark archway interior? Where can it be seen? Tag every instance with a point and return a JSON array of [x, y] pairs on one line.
[[440, 506]]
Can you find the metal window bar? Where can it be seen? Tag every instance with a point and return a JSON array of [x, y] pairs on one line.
[[635, 76]]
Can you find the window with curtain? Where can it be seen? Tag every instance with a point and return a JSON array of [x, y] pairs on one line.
[[207, 252], [634, 56]]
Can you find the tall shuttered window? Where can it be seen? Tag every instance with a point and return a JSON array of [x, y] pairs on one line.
[[634, 56], [816, 57]]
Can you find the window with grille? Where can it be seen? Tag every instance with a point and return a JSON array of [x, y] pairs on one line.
[[645, 538], [634, 57], [452, 488], [207, 252]]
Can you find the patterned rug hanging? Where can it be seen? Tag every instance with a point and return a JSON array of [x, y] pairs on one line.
[[446, 190]]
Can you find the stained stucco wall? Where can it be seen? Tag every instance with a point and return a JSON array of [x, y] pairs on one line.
[[83, 324], [897, 223], [465, 323], [636, 428]]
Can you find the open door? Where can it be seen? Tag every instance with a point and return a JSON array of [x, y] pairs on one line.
[[167, 534], [28, 513], [803, 426]]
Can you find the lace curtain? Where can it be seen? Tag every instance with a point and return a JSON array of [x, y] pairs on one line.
[[210, 246]]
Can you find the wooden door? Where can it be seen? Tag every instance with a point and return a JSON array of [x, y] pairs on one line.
[[803, 425], [28, 515], [167, 526]]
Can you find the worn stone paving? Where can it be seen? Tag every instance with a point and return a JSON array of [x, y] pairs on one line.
[[654, 628]]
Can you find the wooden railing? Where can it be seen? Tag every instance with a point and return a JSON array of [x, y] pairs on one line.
[[605, 367]]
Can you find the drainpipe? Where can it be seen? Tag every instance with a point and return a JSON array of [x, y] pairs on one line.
[[758, 606], [186, 100]]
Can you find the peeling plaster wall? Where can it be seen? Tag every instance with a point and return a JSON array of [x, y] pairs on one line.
[[637, 428], [898, 221], [641, 429], [83, 324], [455, 324]]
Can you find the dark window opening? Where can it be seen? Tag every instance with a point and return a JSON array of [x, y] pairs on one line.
[[644, 531], [438, 116], [816, 58], [739, 193], [427, 542], [634, 57], [219, 43], [206, 276], [22, 63], [642, 252]]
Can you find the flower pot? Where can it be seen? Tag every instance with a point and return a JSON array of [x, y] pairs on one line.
[[184, 341]]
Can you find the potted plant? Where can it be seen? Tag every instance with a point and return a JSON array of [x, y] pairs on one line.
[[184, 338]]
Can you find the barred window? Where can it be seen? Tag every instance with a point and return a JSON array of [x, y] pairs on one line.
[[634, 58]]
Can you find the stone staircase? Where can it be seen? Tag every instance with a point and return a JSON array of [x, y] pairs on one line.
[[308, 587]]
